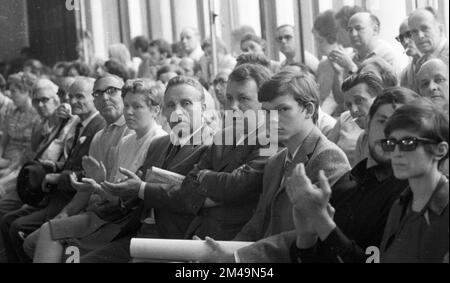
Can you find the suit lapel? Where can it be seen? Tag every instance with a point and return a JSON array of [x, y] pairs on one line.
[[184, 153], [304, 153], [229, 153], [277, 173]]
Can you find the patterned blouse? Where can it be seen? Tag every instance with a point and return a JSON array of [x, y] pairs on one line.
[[19, 127]]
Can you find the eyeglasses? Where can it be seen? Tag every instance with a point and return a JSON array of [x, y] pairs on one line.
[[110, 91], [406, 144], [406, 35], [44, 100], [285, 37]]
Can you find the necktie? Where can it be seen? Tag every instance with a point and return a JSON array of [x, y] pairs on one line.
[[171, 155], [76, 137]]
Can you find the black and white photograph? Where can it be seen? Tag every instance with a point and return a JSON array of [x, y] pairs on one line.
[[224, 137]]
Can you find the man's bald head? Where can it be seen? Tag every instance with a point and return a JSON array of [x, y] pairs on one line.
[[363, 28], [426, 30], [432, 80]]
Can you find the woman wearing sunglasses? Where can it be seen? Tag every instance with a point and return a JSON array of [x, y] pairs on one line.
[[418, 225]]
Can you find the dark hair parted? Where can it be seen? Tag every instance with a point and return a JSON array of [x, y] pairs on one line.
[[247, 72], [373, 83], [393, 96], [326, 26], [292, 81], [422, 117]]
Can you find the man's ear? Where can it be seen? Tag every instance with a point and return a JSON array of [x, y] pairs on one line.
[[442, 150], [158, 110], [310, 110]]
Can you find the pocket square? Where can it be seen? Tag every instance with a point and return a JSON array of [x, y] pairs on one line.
[[82, 140]]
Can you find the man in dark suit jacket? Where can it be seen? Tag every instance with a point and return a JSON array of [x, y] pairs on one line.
[[16, 225], [172, 153], [223, 189], [294, 94]]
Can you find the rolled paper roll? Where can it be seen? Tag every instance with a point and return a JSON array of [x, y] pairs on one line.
[[152, 250], [158, 175]]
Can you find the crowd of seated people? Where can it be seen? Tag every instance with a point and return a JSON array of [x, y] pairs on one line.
[[360, 158]]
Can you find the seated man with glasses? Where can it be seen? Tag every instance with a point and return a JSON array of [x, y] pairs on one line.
[[15, 226]]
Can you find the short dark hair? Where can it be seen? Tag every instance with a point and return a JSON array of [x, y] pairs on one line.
[[141, 42], [254, 38], [82, 68], [393, 96], [247, 72], [183, 80], [291, 80], [423, 117], [373, 83], [252, 58], [114, 67], [346, 12], [169, 68], [152, 91], [387, 72], [326, 26], [163, 46]]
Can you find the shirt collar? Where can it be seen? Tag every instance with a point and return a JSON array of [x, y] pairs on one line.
[[439, 199], [120, 122], [362, 171], [88, 120]]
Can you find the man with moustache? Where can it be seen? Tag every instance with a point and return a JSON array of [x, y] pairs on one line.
[[178, 153], [16, 225]]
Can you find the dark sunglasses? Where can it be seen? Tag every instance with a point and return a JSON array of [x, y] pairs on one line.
[[110, 91], [406, 35], [406, 144]]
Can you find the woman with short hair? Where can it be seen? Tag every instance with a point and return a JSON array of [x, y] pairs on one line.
[[104, 215], [418, 225]]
